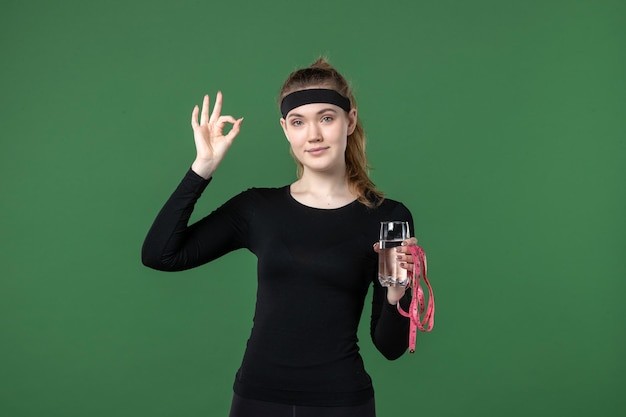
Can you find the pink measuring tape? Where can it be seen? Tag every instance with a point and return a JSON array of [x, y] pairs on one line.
[[417, 306]]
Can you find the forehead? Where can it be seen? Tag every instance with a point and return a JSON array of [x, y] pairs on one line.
[[313, 109]]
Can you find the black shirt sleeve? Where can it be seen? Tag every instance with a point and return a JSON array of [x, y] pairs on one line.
[[173, 245], [388, 328]]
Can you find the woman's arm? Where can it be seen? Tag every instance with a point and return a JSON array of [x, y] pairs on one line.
[[388, 328], [171, 244]]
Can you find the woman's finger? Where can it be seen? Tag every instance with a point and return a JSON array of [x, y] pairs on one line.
[[235, 130], [194, 117], [407, 266], [404, 258], [204, 117], [221, 122], [217, 108], [404, 248], [218, 128], [377, 247]]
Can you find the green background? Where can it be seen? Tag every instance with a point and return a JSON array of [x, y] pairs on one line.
[[500, 124]]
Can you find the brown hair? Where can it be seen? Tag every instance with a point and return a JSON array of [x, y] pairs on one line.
[[322, 74]]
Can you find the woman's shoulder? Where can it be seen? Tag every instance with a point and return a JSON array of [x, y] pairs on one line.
[[265, 191], [389, 203], [393, 209], [257, 194]]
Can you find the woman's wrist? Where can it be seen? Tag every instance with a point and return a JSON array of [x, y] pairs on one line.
[[205, 169], [395, 294]]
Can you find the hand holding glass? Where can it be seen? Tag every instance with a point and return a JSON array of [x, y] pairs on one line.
[[390, 273]]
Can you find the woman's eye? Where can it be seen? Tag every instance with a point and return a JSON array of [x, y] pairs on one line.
[[297, 123], [327, 119]]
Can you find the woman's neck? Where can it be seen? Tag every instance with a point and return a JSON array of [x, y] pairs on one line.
[[322, 191]]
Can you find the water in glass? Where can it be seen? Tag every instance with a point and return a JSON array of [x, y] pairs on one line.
[[390, 273]]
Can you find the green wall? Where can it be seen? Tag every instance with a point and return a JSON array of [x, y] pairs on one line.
[[501, 125]]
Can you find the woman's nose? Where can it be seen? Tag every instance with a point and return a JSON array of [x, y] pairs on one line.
[[314, 134]]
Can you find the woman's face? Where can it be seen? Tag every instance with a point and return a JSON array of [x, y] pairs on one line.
[[318, 134]]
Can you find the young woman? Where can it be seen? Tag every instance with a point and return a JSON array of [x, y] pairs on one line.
[[313, 240]]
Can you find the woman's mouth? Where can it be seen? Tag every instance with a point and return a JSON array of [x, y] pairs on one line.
[[317, 151]]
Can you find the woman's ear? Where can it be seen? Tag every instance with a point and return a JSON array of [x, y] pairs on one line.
[[283, 124], [352, 119]]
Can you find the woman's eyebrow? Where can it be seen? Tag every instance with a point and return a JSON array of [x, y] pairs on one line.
[[326, 110], [319, 112]]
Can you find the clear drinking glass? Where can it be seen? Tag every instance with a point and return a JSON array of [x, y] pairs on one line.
[[390, 273]]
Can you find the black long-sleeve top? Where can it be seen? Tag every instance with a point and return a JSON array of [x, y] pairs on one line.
[[314, 270]]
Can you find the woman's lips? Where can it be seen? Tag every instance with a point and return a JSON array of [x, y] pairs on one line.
[[317, 151]]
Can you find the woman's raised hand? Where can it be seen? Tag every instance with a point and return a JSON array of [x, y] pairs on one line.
[[211, 142]]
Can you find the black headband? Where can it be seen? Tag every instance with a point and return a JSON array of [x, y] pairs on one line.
[[313, 95]]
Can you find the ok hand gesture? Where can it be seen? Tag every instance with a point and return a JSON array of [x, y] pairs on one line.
[[211, 142]]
